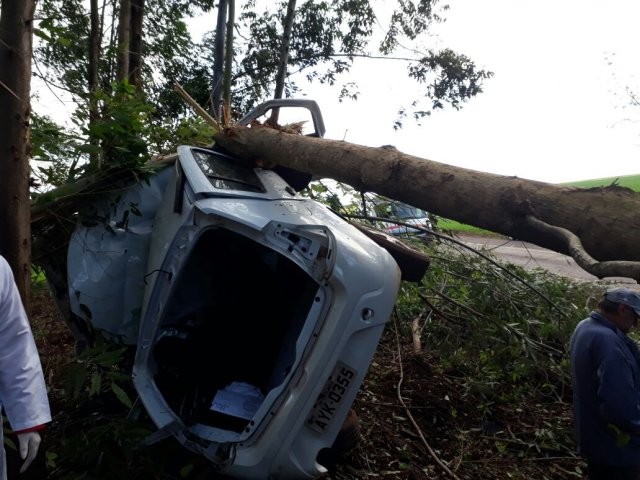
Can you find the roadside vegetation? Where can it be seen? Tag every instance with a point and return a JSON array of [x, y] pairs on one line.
[[470, 381]]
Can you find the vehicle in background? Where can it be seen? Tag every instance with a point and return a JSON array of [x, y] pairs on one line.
[[406, 214]]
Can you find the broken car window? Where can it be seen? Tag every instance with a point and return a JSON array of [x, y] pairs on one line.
[[227, 174]]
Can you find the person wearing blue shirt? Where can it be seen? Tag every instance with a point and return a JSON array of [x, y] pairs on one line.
[[605, 368]]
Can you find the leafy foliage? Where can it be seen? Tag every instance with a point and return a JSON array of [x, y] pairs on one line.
[[61, 58], [122, 128], [493, 328], [56, 154], [329, 36], [125, 121], [97, 439]]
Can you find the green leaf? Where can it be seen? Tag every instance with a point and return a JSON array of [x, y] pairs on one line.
[[76, 377], [186, 470], [10, 443], [108, 359], [51, 458], [622, 438], [96, 383], [121, 395], [41, 34]]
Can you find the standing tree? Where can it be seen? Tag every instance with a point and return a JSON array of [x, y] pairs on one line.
[[228, 56], [328, 37], [130, 36], [219, 60], [284, 56], [124, 39], [87, 46], [136, 44], [16, 37]]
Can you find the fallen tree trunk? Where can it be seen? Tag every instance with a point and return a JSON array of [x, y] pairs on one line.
[[597, 224]]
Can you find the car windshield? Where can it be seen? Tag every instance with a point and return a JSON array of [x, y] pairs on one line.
[[403, 211], [226, 174]]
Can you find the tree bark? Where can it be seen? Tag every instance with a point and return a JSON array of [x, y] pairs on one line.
[[95, 40], [16, 37], [228, 56], [218, 61], [135, 50], [287, 27], [605, 220], [124, 40]]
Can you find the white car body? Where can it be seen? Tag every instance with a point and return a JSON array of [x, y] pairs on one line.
[[255, 311]]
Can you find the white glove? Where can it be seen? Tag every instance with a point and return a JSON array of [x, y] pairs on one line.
[[29, 443]]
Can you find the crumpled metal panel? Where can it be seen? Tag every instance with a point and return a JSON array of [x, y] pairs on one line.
[[107, 261]]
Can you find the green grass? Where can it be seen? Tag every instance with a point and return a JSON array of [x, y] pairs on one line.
[[454, 226], [629, 181]]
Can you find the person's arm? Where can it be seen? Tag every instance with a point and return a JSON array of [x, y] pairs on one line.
[[22, 388]]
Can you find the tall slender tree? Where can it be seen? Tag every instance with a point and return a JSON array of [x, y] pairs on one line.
[[228, 55], [95, 40], [136, 44], [284, 56], [124, 39], [219, 60], [16, 39]]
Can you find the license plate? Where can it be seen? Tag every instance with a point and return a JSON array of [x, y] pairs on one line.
[[331, 397]]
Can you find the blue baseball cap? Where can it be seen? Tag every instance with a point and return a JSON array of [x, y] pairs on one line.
[[629, 297]]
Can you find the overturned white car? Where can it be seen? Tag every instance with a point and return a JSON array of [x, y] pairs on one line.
[[255, 311]]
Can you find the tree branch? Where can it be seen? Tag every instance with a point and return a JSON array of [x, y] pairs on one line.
[[463, 245], [11, 91], [617, 268]]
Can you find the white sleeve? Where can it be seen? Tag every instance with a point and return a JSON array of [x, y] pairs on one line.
[[23, 392]]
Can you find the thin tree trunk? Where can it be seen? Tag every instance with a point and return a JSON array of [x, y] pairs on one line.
[[228, 56], [606, 220], [216, 87], [135, 50], [284, 57], [95, 40], [94, 49], [124, 40], [112, 63], [16, 37]]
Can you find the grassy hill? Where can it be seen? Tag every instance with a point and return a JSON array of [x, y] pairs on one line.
[[629, 181]]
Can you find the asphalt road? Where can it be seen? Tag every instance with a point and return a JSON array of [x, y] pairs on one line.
[[532, 256]]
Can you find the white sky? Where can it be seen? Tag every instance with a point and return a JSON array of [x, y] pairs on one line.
[[556, 109]]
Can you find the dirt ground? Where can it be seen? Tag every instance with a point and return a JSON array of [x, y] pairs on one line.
[[417, 424]]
